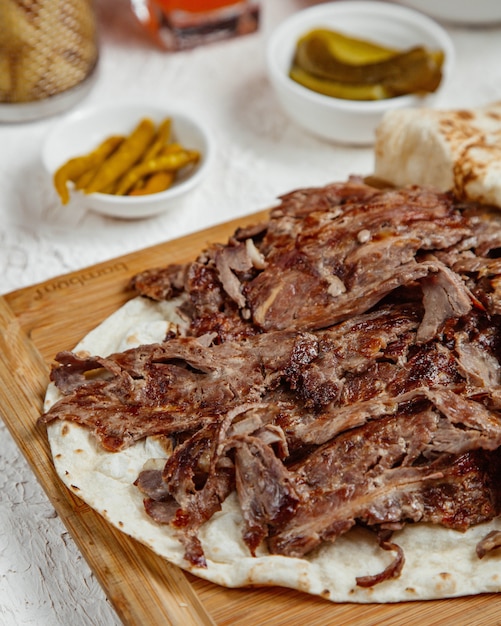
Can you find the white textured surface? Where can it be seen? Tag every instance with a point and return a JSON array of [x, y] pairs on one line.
[[44, 581]]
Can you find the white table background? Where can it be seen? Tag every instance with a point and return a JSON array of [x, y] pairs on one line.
[[260, 154]]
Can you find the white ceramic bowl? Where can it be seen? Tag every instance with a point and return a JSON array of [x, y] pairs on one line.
[[349, 121], [81, 132], [471, 12]]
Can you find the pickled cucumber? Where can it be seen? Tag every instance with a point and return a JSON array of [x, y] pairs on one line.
[[341, 66]]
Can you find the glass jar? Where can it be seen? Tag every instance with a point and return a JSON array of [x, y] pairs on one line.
[[48, 56], [184, 24]]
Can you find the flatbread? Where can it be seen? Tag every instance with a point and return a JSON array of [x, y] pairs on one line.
[[439, 562], [451, 150]]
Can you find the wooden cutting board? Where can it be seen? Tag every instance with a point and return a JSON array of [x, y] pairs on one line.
[[38, 321]]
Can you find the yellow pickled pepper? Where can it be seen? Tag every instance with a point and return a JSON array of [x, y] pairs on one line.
[[127, 154], [73, 169], [170, 161]]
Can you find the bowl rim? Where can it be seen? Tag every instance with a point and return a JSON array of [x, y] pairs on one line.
[[354, 7], [475, 14], [143, 110]]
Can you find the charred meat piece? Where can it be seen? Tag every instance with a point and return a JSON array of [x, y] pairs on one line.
[[354, 374], [327, 254]]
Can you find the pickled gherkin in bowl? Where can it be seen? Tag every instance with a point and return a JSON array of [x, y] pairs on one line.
[[338, 67], [342, 66]]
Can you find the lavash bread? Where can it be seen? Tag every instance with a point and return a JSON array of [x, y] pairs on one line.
[[439, 562], [451, 150]]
